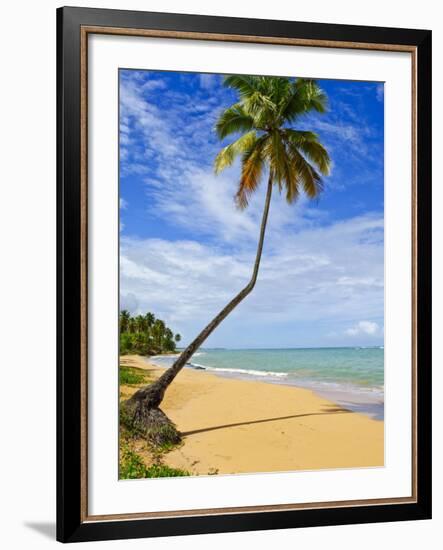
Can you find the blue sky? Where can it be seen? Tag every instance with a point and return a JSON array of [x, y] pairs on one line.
[[185, 250]]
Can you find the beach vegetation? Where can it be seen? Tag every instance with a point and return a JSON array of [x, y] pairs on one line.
[[130, 376], [145, 335], [132, 466]]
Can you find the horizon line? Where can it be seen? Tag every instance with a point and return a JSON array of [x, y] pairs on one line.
[[376, 346]]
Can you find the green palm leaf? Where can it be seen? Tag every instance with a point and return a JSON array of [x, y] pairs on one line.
[[229, 153], [307, 175], [245, 85], [313, 96], [233, 120], [266, 108], [309, 144], [252, 169]]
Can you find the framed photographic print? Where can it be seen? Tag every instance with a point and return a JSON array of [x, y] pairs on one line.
[[244, 271]]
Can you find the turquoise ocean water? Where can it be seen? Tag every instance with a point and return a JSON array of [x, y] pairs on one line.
[[351, 377]]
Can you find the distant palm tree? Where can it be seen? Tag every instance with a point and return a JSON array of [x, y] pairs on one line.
[[140, 341], [264, 115], [168, 341], [158, 331], [177, 338], [132, 325], [141, 323], [150, 319], [124, 320]]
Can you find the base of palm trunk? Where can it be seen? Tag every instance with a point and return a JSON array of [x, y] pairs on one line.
[[150, 422]]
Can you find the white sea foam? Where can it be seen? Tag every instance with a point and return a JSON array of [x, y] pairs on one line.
[[321, 373], [162, 357], [242, 371]]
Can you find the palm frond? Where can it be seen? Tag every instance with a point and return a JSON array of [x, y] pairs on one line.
[[260, 107], [232, 120], [253, 162], [276, 153], [292, 108], [229, 153], [309, 178], [312, 95], [291, 178], [246, 85], [303, 96], [280, 89], [309, 145], [266, 107], [318, 101], [289, 175]]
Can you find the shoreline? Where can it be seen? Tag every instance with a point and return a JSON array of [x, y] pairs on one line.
[[368, 401], [245, 426]]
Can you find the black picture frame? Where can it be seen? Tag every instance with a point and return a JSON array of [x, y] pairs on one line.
[[71, 525]]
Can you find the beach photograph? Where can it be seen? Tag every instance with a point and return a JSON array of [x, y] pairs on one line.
[[251, 257]]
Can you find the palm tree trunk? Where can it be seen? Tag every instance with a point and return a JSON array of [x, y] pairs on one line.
[[146, 400]]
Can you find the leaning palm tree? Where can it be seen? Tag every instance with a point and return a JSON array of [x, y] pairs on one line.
[[266, 141]]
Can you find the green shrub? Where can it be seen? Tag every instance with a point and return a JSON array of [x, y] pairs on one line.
[[162, 470], [126, 343], [132, 375], [133, 467]]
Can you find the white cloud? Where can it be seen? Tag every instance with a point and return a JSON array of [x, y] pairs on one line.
[[380, 92], [304, 278], [123, 203], [363, 327], [330, 273], [180, 185], [200, 201], [128, 302], [169, 135], [144, 118], [152, 84], [352, 136], [208, 81]]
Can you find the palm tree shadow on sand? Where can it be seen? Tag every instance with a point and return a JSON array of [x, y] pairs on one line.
[[332, 409]]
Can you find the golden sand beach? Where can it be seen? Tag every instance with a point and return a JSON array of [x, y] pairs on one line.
[[236, 426]]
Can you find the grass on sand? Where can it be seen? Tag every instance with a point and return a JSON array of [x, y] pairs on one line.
[[139, 459]]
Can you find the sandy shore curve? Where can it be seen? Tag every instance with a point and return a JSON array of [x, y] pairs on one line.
[[234, 426]]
